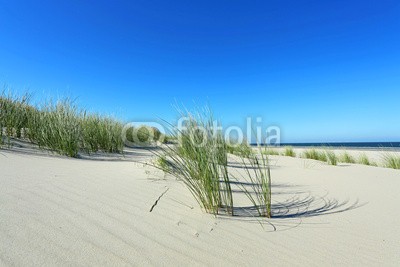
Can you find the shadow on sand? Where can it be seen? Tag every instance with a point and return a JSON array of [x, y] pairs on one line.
[[24, 147], [289, 212]]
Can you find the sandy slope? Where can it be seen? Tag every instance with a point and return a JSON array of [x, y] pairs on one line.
[[55, 210]]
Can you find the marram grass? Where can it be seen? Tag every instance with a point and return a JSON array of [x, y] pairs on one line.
[[391, 161], [61, 126], [162, 163], [270, 151], [315, 154], [56, 127], [331, 157], [364, 160], [289, 152], [347, 158], [14, 112], [242, 149], [258, 176], [327, 156], [100, 133], [200, 161]]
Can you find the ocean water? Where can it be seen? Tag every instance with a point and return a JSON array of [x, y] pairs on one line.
[[350, 145], [355, 145]]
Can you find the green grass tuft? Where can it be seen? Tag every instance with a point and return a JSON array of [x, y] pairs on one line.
[[258, 176], [162, 163], [200, 161], [364, 160], [347, 158], [61, 126], [242, 149], [14, 111], [57, 127], [101, 133], [331, 157], [327, 156], [391, 161], [145, 135], [314, 154], [270, 151], [289, 152]]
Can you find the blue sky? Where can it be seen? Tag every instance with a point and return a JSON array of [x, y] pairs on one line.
[[321, 70]]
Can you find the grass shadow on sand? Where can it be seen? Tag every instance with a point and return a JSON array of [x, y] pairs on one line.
[[138, 155], [289, 212]]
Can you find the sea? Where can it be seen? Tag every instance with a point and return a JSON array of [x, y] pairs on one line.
[[350, 145]]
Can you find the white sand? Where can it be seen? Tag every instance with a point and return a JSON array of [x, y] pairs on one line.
[[60, 211]]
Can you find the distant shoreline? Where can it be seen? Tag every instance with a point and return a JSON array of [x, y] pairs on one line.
[[347, 145]]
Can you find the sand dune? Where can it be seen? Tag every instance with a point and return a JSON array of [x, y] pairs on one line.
[[61, 211]]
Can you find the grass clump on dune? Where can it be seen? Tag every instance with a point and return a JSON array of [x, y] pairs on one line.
[[315, 154], [327, 156], [258, 175], [60, 126], [364, 160], [56, 127], [289, 152], [391, 161], [347, 158], [14, 112], [101, 133], [144, 136], [162, 163], [200, 162], [331, 157], [242, 149], [270, 151]]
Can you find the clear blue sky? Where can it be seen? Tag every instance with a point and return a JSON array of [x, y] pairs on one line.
[[321, 70]]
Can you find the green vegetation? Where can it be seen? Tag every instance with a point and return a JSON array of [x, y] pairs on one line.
[[162, 163], [101, 133], [144, 135], [270, 151], [347, 158], [259, 177], [56, 127], [331, 157], [14, 113], [315, 154], [61, 126], [200, 161], [325, 156], [364, 160], [289, 152], [391, 161], [243, 149]]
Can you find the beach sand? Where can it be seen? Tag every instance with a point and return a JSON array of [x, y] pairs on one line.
[[96, 211]]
